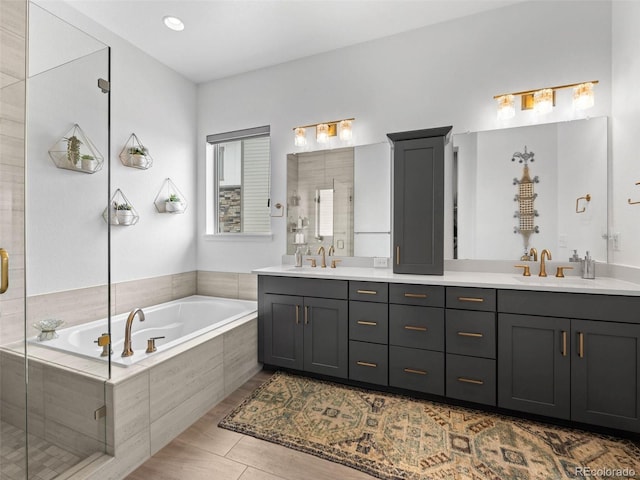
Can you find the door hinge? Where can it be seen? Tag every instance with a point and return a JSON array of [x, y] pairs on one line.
[[100, 413], [104, 85]]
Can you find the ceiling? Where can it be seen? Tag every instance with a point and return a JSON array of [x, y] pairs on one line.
[[227, 37]]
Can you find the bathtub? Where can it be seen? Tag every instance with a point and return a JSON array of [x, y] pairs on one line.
[[178, 321]]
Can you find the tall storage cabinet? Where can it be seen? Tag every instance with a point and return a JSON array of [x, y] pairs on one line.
[[418, 200]]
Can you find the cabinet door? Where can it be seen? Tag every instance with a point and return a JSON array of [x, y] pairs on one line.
[[534, 365], [605, 382], [326, 332], [418, 206], [283, 332]]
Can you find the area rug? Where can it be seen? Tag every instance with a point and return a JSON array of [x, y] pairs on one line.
[[395, 437]]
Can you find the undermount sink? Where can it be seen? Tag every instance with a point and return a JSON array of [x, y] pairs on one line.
[[550, 280]]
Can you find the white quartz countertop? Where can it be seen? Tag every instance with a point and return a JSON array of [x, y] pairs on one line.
[[512, 281]]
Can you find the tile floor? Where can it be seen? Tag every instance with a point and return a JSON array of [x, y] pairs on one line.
[[205, 452], [46, 461]]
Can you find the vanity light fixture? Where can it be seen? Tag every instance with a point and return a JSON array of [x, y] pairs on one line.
[[300, 136], [173, 23], [346, 131], [325, 130], [544, 99], [506, 108], [322, 132]]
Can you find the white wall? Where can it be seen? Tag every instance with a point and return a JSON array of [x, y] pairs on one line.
[[159, 106], [445, 74], [625, 126]]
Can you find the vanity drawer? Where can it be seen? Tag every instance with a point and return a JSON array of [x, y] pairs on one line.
[[368, 322], [368, 362], [470, 298], [308, 287], [418, 370], [610, 308], [471, 333], [369, 291], [471, 379], [424, 295], [416, 327]]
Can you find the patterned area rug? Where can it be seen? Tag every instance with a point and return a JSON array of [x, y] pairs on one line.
[[395, 437]]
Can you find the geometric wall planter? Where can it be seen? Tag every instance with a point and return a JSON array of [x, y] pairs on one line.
[[135, 155], [75, 151], [120, 211], [170, 199]]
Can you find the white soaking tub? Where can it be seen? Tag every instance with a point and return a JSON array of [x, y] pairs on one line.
[[177, 321]]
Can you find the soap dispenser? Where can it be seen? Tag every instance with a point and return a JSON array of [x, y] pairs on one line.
[[588, 267], [575, 257]]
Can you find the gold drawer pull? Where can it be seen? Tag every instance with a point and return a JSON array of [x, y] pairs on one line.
[[471, 299], [297, 314], [564, 343], [581, 344], [415, 295], [418, 372], [364, 322], [367, 364], [469, 334], [470, 380], [367, 292], [417, 329]]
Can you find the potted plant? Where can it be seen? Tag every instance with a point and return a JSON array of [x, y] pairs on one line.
[[73, 150], [137, 156], [88, 162], [124, 213], [174, 204]]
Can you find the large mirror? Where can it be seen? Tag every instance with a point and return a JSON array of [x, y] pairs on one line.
[[559, 202], [340, 199]]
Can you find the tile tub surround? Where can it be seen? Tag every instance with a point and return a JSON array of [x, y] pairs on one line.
[[84, 305], [148, 404], [513, 281]]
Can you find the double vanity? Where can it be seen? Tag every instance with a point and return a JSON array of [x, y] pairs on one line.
[[566, 348]]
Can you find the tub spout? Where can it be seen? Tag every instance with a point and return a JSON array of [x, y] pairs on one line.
[[127, 352]]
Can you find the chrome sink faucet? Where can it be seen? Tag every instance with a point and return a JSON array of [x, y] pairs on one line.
[[128, 351]]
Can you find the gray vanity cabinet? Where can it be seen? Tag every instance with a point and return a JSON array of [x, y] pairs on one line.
[[583, 369], [534, 368], [605, 374], [304, 332], [418, 200]]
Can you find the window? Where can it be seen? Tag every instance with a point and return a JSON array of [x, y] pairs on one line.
[[238, 181]]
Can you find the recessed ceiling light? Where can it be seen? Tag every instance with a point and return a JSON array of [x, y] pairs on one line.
[[174, 23]]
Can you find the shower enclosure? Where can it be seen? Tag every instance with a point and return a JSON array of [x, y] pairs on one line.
[[54, 186]]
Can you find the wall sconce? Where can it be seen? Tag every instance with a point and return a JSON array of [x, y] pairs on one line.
[[543, 100], [325, 130]]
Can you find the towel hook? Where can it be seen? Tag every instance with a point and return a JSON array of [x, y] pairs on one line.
[[629, 200], [587, 197]]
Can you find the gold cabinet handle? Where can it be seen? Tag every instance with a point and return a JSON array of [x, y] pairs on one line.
[[414, 328], [469, 334], [398, 255], [581, 345], [470, 380], [415, 295], [564, 344], [4, 283], [367, 292], [367, 364], [417, 372], [306, 314], [471, 299], [297, 314], [364, 322]]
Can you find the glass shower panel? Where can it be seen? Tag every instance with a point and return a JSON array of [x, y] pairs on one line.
[[67, 242], [13, 30]]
